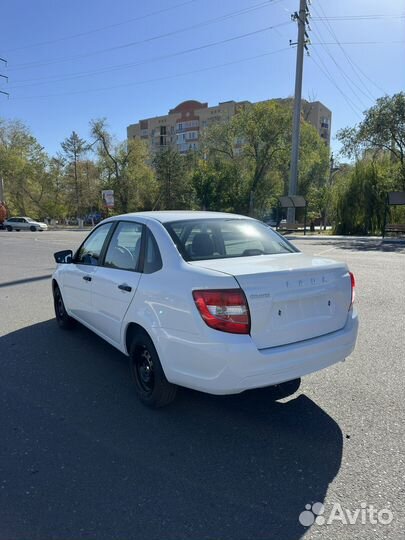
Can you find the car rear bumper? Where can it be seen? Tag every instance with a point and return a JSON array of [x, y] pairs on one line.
[[234, 364]]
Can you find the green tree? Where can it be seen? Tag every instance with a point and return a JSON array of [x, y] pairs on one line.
[[173, 178], [360, 196], [56, 171], [124, 167], [257, 142], [23, 164], [263, 130], [382, 130], [220, 177], [218, 185], [74, 149], [313, 160]]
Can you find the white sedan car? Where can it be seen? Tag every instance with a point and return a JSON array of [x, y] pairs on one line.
[[24, 224], [216, 302]]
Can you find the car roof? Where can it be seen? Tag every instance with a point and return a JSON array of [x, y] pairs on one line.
[[165, 216]]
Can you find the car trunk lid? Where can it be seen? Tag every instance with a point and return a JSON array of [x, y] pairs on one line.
[[291, 297]]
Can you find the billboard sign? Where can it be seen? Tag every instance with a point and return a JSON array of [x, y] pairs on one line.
[[108, 197]]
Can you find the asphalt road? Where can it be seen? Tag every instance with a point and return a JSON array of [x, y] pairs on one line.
[[80, 457]]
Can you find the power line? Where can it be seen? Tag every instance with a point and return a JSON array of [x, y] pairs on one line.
[[356, 17], [354, 87], [328, 75], [102, 28], [143, 62], [202, 24], [350, 82], [355, 68], [323, 67], [393, 42], [159, 79]]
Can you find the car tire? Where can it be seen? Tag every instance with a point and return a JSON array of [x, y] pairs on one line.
[[151, 385], [286, 389], [32, 228], [62, 318], [9, 228]]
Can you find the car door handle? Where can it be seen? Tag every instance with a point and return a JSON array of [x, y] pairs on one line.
[[125, 287], [87, 278]]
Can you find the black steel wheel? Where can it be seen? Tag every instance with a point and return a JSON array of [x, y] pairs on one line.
[[62, 318], [151, 385], [145, 371]]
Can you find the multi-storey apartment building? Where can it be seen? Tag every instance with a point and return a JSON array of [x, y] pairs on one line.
[[181, 128]]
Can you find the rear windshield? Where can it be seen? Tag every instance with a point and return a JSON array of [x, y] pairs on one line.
[[203, 239]]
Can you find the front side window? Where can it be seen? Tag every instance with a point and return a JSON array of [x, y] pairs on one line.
[[225, 238], [125, 246], [90, 251]]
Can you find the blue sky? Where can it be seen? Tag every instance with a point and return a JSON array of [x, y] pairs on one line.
[[69, 62]]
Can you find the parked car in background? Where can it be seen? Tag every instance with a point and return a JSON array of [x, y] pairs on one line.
[[24, 224], [270, 221], [72, 221], [92, 219], [216, 302]]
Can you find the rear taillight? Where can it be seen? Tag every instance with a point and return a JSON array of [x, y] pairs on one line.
[[353, 284], [226, 310]]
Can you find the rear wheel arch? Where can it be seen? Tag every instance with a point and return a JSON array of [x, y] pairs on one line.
[[151, 385], [133, 330]]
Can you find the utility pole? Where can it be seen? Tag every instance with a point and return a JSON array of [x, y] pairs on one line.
[[301, 18], [8, 95], [3, 208], [4, 77]]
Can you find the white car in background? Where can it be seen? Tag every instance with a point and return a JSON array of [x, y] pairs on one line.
[[24, 224], [216, 302]]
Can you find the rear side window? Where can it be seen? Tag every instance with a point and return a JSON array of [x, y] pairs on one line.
[[90, 251], [153, 260], [125, 247]]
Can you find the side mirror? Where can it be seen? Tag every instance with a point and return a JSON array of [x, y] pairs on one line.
[[63, 257]]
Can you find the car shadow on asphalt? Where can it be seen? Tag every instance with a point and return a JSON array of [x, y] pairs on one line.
[[81, 457]]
